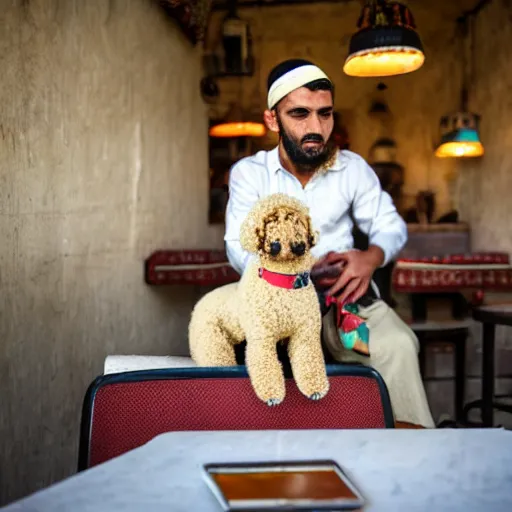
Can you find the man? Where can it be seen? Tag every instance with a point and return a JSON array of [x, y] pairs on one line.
[[307, 165]]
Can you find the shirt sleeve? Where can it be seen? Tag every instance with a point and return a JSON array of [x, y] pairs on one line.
[[243, 193], [375, 213]]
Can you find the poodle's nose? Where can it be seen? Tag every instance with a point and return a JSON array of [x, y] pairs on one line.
[[298, 248], [275, 248]]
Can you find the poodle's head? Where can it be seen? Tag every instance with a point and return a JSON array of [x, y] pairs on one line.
[[278, 227]]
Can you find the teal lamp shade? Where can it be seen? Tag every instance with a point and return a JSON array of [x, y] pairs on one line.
[[459, 136]]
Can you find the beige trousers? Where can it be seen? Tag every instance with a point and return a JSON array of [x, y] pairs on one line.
[[394, 354]]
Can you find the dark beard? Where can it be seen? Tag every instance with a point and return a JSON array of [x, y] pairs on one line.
[[306, 160]]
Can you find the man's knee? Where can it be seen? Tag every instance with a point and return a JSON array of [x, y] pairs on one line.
[[407, 343], [390, 333], [401, 347]]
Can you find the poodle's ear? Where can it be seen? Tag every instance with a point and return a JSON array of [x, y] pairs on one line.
[[252, 233], [312, 234]]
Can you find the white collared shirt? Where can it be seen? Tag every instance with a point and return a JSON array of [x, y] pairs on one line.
[[350, 181]]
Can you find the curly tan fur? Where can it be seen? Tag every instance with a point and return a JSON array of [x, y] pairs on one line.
[[263, 314]]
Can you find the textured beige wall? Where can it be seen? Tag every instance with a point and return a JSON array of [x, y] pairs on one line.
[[321, 33], [485, 186], [103, 159]]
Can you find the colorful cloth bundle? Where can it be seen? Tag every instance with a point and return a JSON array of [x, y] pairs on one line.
[[353, 331]]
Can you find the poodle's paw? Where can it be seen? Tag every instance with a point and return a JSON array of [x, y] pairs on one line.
[[269, 387], [314, 387], [271, 397], [319, 394]]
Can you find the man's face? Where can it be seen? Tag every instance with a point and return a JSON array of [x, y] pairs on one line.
[[305, 122]]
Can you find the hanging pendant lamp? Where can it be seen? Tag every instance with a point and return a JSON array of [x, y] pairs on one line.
[[459, 131], [386, 43], [238, 124], [238, 129], [459, 136]]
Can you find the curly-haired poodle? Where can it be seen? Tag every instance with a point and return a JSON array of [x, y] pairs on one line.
[[274, 300]]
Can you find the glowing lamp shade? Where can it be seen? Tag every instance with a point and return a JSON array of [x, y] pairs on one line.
[[460, 137], [384, 62], [238, 129], [466, 145], [386, 43]]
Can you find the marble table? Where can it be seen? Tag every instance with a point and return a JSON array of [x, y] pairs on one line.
[[452, 470]]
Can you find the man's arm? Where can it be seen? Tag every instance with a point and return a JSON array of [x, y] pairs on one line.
[[376, 215], [243, 193]]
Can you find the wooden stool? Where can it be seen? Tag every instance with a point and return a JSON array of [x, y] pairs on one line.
[[490, 316], [454, 333]]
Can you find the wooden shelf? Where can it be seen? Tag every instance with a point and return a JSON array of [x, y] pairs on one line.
[[438, 228]]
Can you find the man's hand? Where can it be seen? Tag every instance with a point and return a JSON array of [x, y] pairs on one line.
[[358, 268], [327, 270]]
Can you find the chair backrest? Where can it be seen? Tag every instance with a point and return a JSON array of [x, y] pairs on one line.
[[125, 410]]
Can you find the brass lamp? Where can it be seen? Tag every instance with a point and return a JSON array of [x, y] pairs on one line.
[[386, 43]]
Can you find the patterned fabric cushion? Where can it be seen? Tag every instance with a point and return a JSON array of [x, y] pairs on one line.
[[424, 277]]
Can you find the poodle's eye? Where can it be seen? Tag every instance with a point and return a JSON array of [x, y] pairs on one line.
[[275, 248], [298, 248]]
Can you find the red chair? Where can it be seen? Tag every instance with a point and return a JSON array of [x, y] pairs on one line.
[[125, 410]]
